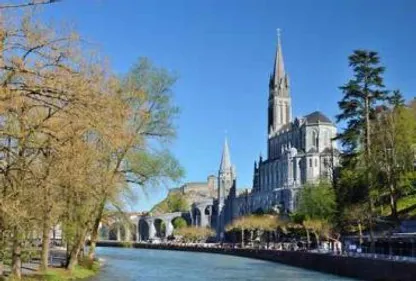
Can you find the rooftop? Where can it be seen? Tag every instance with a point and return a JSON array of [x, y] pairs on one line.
[[317, 117]]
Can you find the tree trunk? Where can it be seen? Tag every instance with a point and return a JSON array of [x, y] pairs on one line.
[[367, 160], [75, 251], [268, 239], [308, 239], [393, 202], [242, 238], [372, 240], [93, 245], [94, 234], [16, 257], [251, 237], [360, 230], [317, 239], [45, 242]]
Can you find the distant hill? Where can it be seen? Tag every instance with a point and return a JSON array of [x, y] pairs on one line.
[[180, 199], [174, 202]]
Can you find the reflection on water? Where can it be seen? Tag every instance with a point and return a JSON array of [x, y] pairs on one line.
[[140, 264]]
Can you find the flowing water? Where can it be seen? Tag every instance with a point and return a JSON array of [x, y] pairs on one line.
[[123, 264]]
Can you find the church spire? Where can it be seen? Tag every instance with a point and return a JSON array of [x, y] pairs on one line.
[[280, 109], [279, 66], [279, 78], [225, 159]]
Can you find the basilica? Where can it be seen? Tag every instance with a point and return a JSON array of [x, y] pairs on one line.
[[299, 150]]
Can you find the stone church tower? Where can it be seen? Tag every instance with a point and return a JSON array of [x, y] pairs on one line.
[[226, 179], [280, 104]]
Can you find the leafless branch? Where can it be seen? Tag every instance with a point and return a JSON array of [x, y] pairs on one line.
[[28, 4]]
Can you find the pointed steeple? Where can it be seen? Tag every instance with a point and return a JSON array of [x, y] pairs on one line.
[[278, 78], [280, 108], [225, 159], [279, 67]]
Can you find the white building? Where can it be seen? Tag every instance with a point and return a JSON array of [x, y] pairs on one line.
[[298, 151]]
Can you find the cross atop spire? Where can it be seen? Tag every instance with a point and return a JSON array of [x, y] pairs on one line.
[[225, 159]]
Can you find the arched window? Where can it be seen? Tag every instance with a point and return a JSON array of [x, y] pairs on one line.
[[315, 139]]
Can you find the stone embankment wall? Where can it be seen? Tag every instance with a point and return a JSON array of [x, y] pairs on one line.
[[360, 268]]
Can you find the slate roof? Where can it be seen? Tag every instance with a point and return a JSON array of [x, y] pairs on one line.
[[317, 117]]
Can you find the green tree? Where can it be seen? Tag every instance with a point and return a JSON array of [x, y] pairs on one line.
[[177, 203], [394, 136], [316, 209], [263, 223], [146, 119], [179, 223], [362, 94], [174, 202], [194, 234], [317, 201], [357, 217]]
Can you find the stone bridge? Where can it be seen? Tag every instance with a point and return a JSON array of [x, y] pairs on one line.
[[144, 227], [151, 227]]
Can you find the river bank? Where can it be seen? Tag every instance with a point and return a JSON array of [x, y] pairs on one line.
[[81, 272], [56, 271], [353, 267]]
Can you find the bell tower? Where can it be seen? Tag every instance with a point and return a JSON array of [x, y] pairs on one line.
[[280, 102], [226, 180]]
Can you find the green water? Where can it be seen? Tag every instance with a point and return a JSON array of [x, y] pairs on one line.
[[139, 264]]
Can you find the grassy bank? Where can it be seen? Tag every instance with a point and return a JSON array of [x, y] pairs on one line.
[[60, 274]]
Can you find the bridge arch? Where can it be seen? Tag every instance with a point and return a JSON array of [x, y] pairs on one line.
[[117, 231], [196, 216], [143, 230], [160, 227], [203, 213]]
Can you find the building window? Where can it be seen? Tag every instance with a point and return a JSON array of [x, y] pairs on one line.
[[327, 139], [316, 162], [310, 163]]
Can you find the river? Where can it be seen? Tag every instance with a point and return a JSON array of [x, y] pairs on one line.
[[123, 264]]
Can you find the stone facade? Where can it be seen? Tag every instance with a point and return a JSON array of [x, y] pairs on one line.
[[299, 151]]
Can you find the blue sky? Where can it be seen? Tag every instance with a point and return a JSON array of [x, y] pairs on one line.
[[223, 51]]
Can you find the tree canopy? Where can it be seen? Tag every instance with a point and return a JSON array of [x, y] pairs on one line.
[[317, 201], [75, 138]]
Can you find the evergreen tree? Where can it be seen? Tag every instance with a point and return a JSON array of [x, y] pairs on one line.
[[396, 99], [362, 94]]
